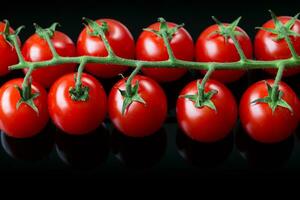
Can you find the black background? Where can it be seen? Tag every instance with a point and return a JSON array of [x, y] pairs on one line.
[[168, 153]]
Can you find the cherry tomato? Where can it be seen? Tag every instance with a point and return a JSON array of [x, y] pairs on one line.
[[139, 119], [36, 49], [151, 47], [77, 117], [23, 122], [259, 121], [8, 53], [205, 124], [119, 38], [213, 48], [267, 48]]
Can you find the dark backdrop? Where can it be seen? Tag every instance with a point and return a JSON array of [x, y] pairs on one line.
[[137, 14]]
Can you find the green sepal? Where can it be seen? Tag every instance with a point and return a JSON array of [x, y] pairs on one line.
[[29, 101], [227, 31], [274, 103], [170, 32], [281, 30], [202, 98], [80, 93], [44, 32], [7, 35], [93, 28], [130, 98]]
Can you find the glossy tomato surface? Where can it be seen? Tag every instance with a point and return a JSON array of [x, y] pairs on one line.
[[267, 48], [23, 122], [8, 55], [213, 48], [139, 119], [120, 40], [36, 49], [259, 121], [205, 124], [77, 117], [151, 47]]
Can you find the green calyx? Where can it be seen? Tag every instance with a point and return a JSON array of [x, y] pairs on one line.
[[8, 36], [27, 97], [46, 32], [227, 31], [164, 29], [274, 99], [202, 98], [131, 96], [282, 30], [95, 29], [79, 92]]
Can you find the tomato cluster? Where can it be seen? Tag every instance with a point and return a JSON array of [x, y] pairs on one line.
[[147, 111]]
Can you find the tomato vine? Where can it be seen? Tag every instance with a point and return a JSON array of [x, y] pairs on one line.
[[81, 93]]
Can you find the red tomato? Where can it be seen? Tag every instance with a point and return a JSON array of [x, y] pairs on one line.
[[77, 117], [139, 119], [119, 38], [266, 48], [259, 121], [23, 122], [151, 47], [205, 124], [8, 53], [214, 48], [36, 49]]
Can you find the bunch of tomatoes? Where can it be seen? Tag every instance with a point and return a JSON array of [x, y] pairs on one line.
[[202, 124]]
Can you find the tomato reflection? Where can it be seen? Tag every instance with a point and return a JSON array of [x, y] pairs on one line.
[[85, 151], [264, 156], [139, 153], [204, 155], [29, 149]]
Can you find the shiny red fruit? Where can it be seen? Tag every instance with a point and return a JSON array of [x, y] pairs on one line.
[[23, 122], [36, 49], [151, 47], [213, 48], [77, 117], [139, 119], [120, 40], [205, 124]]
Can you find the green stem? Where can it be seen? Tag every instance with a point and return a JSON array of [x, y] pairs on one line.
[[168, 46], [18, 50], [109, 49], [129, 80], [238, 47], [26, 85], [51, 46], [250, 64], [274, 94], [79, 75], [291, 47], [204, 80]]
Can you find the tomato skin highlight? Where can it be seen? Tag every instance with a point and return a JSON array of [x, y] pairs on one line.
[[213, 48], [77, 117], [258, 120], [121, 41], [139, 120], [150, 47], [23, 122], [8, 53], [204, 124], [266, 48], [36, 49]]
